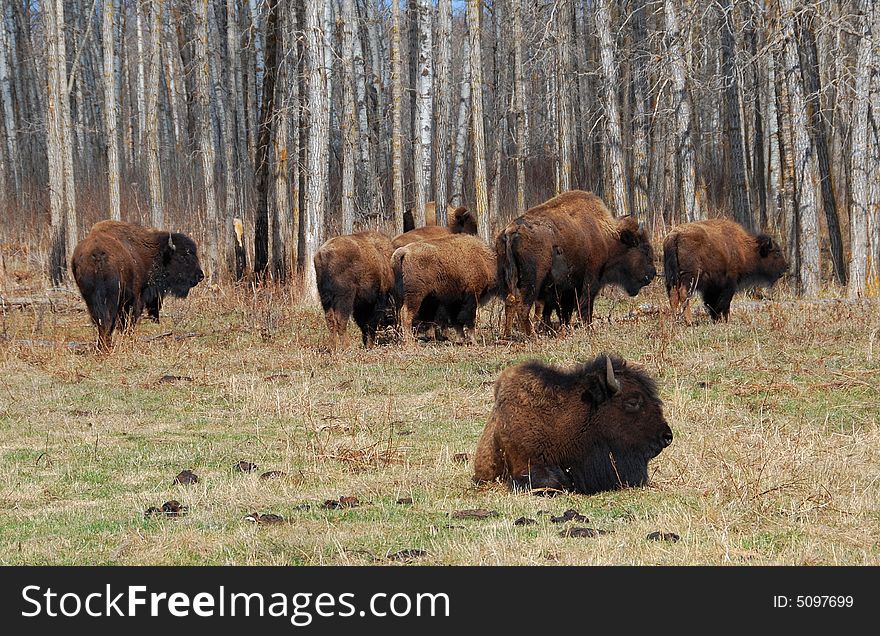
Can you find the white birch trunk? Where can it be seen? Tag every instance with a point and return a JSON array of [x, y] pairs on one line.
[[519, 91], [316, 162], [141, 102], [6, 103], [424, 111], [365, 145], [563, 95], [443, 108], [110, 110], [396, 118]]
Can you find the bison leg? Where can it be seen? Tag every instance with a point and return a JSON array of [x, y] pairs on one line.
[[718, 303], [407, 313], [542, 478], [679, 301], [337, 317]]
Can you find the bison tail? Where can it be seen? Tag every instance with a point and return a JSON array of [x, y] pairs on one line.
[[670, 263], [324, 279], [397, 267]]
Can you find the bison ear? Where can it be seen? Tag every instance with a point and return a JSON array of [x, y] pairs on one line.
[[765, 245], [601, 385]]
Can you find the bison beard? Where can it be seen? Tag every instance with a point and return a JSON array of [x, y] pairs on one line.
[[585, 430], [123, 268], [717, 258]]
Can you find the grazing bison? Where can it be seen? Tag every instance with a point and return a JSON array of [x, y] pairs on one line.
[[460, 222], [355, 280], [593, 249], [717, 257], [443, 281], [430, 216], [587, 429], [122, 269]]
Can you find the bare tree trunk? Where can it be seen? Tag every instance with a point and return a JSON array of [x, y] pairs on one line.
[[805, 171], [261, 168], [282, 234], [563, 95], [682, 107], [151, 119], [349, 123], [110, 102], [481, 207], [141, 98], [860, 203], [396, 118], [424, 108], [615, 183], [319, 134], [206, 137], [365, 137], [7, 106], [519, 88], [774, 161], [443, 109], [461, 137], [813, 87], [642, 105], [739, 190], [58, 144]]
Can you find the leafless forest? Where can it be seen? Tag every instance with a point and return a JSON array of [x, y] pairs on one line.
[[306, 119]]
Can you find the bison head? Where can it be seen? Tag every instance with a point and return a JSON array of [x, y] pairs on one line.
[[771, 263], [180, 269], [624, 417], [462, 222], [632, 265]]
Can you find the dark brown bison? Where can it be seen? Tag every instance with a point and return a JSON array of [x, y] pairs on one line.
[[591, 428], [355, 280], [430, 216], [590, 247], [122, 269], [716, 258], [460, 222], [443, 281]]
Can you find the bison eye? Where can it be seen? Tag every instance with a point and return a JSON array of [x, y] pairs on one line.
[[633, 403]]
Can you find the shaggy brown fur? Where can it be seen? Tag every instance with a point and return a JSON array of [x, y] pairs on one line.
[[586, 429], [355, 279], [460, 222], [444, 279], [430, 216], [594, 249], [716, 258], [123, 268]]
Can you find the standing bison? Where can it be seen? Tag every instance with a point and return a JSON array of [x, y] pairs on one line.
[[443, 281], [460, 221], [430, 216], [122, 269], [717, 257], [561, 253], [591, 428], [355, 280]]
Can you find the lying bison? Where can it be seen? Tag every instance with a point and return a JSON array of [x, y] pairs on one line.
[[122, 269], [460, 222], [716, 258], [588, 429], [354, 279], [596, 250], [430, 216], [443, 281]]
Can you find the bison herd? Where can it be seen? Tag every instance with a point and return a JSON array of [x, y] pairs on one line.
[[590, 428]]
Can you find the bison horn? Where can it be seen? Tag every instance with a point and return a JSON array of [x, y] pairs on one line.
[[610, 380], [170, 242]]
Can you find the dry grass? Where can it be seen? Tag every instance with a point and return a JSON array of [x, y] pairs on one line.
[[774, 460]]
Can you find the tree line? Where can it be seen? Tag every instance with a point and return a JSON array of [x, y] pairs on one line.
[[264, 127]]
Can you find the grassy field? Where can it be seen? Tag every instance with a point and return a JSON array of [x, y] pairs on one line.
[[775, 458]]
